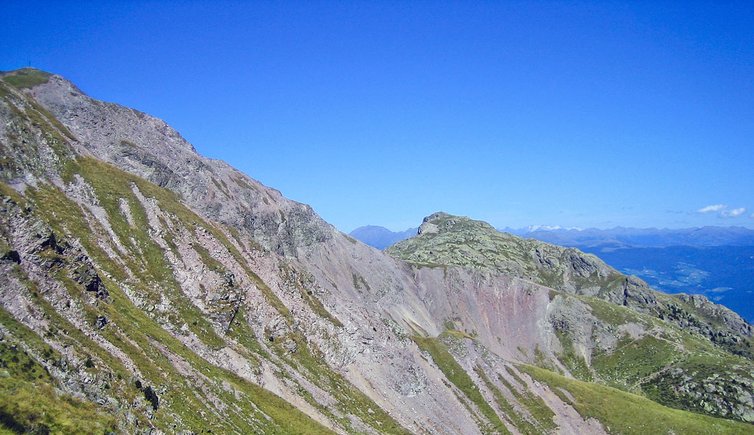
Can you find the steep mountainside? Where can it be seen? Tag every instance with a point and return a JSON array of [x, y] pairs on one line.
[[643, 354], [717, 262], [451, 240], [146, 288]]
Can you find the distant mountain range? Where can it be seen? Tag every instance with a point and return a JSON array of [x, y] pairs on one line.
[[620, 237], [381, 237], [717, 262]]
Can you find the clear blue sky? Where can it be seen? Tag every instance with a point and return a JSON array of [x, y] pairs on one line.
[[560, 113]]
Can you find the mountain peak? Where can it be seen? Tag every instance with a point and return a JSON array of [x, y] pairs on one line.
[[441, 222], [436, 215], [25, 77], [445, 239]]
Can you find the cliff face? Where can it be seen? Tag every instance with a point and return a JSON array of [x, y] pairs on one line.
[[149, 288]]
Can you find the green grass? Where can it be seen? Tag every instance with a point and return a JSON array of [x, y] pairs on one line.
[[104, 174], [541, 360], [207, 259], [454, 334], [145, 338], [36, 407], [676, 308], [575, 363], [458, 377], [703, 376], [146, 258], [633, 360], [534, 404], [136, 333], [520, 423], [26, 78], [350, 400], [610, 313], [16, 362], [53, 133], [16, 197], [248, 399], [21, 333], [672, 366], [241, 332], [28, 399], [4, 89], [65, 333], [52, 120], [625, 413]]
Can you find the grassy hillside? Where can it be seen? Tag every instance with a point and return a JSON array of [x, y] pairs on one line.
[[626, 413]]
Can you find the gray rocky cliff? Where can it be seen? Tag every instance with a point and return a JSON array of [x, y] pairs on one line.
[[149, 148]]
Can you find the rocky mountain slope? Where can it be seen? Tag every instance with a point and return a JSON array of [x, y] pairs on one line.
[[144, 288], [627, 348], [453, 240], [717, 262]]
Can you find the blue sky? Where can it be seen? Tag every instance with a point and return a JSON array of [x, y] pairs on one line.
[[519, 113]]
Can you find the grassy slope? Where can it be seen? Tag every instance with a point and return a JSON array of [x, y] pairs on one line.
[[458, 377], [625, 413], [143, 337], [28, 400], [112, 184], [137, 333], [646, 365], [636, 365], [475, 244], [620, 412], [26, 78]]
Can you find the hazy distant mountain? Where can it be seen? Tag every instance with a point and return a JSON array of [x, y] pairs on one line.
[[620, 237], [381, 237]]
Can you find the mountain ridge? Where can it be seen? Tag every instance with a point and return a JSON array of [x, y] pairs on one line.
[[648, 237], [553, 266], [170, 292], [712, 261]]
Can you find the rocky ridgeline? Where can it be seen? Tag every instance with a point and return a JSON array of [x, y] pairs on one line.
[[587, 332], [149, 148], [453, 240], [145, 288]]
